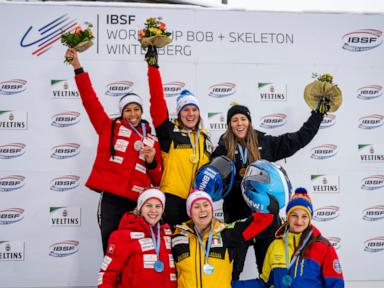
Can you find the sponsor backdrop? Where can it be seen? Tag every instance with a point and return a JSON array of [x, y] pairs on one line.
[[48, 229]]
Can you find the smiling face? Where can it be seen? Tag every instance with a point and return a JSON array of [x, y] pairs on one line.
[[152, 211], [239, 125], [132, 113], [298, 220], [201, 214], [190, 116]]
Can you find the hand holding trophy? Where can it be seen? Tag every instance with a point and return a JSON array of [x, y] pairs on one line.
[[322, 95], [153, 36], [80, 40]]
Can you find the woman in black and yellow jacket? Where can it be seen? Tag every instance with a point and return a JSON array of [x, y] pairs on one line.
[[203, 247], [184, 144]]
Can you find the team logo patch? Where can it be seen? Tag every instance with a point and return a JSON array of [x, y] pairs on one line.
[[179, 240], [337, 266], [111, 248], [137, 235]]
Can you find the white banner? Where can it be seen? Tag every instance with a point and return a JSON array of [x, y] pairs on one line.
[[48, 229]]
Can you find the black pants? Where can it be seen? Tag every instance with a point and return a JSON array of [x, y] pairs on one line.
[[175, 210], [111, 209], [260, 246]]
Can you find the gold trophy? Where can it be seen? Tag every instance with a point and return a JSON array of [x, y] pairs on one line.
[[324, 91]]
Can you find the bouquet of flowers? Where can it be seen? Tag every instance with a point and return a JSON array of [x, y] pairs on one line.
[[323, 89], [154, 33], [80, 39]]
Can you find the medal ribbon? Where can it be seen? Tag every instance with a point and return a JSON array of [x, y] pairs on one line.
[[137, 131], [243, 154], [206, 250], [156, 243], [297, 251], [194, 144]]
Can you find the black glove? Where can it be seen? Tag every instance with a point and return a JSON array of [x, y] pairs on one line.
[[273, 206], [323, 105], [151, 56]]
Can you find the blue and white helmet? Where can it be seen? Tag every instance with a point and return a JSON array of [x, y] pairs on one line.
[[216, 178], [263, 179]]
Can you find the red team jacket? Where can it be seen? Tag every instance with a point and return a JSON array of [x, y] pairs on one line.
[[127, 174], [131, 255]]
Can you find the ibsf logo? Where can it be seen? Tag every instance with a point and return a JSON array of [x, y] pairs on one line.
[[328, 121], [335, 242], [374, 244], [373, 182], [326, 213], [172, 89], [369, 92], [13, 86], [324, 151], [221, 90], [12, 150], [11, 215], [273, 121], [65, 151], [11, 183], [119, 88], [64, 248], [362, 40], [45, 36], [371, 121], [374, 213], [65, 183], [65, 119]]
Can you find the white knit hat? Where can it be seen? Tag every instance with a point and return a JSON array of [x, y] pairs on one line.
[[195, 196], [150, 194], [186, 98], [130, 98]]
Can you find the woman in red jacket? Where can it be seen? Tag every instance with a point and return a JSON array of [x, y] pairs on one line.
[[128, 158], [139, 253]]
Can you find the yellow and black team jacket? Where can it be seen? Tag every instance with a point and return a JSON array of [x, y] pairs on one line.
[[175, 143], [190, 258]]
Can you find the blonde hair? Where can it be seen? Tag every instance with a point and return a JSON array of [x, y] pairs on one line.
[[250, 142]]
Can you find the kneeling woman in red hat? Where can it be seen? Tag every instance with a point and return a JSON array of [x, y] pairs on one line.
[[300, 257], [203, 247], [139, 252]]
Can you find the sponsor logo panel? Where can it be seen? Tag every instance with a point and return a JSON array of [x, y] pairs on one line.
[[65, 119], [173, 89], [13, 86], [13, 120], [374, 244], [12, 250], [326, 213], [65, 183], [65, 151], [11, 215], [273, 121], [374, 213], [216, 121], [64, 248], [371, 121], [373, 182], [221, 90], [118, 88], [329, 120], [362, 40], [325, 183], [371, 153], [64, 89], [11, 183], [324, 151], [12, 150], [335, 242], [369, 92], [64, 216], [272, 91]]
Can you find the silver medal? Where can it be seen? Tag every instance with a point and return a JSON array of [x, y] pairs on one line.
[[138, 145]]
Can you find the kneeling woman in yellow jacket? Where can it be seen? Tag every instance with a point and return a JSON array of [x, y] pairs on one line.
[[203, 247]]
